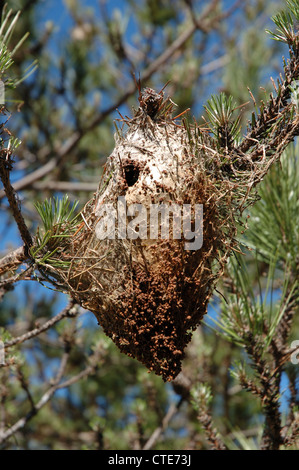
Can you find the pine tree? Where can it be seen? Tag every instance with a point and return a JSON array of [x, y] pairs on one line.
[[64, 383]]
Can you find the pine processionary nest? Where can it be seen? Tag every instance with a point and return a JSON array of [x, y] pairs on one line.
[[149, 294]]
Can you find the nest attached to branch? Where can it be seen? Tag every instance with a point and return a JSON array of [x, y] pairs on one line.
[[149, 294]]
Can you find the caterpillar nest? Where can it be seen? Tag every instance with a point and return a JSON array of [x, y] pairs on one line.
[[149, 283]]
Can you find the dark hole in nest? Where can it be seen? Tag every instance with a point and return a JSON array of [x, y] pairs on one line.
[[131, 173]]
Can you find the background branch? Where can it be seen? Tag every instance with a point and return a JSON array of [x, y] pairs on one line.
[[12, 260], [71, 310], [40, 404], [5, 167]]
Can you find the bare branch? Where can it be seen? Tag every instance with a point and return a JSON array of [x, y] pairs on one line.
[[205, 419], [65, 186], [173, 409], [56, 385], [203, 24]]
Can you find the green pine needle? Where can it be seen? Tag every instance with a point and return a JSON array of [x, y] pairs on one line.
[[59, 223], [220, 110], [287, 24], [8, 24], [246, 311]]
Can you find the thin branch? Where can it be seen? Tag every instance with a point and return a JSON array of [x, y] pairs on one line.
[[42, 402], [91, 369], [173, 409], [69, 311], [66, 186], [27, 180], [181, 385], [24, 385], [56, 385], [12, 260], [84, 373], [284, 326], [62, 151], [13, 201]]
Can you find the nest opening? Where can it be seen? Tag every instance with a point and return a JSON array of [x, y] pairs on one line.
[[131, 171]]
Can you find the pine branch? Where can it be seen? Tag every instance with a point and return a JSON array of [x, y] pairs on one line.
[[69, 311], [277, 123], [201, 398], [173, 409], [56, 384]]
